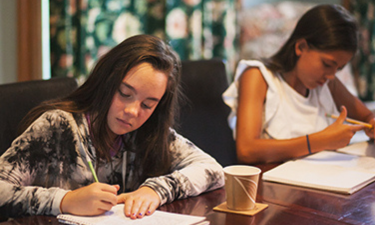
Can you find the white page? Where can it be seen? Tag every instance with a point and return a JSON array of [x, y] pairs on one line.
[[360, 148], [341, 159], [326, 170], [116, 216]]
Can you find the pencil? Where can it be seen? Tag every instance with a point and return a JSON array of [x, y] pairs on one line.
[[91, 168], [350, 120]]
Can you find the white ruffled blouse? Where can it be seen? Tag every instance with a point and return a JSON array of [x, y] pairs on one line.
[[286, 113]]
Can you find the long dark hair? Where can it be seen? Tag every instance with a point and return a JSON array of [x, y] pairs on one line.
[[324, 27], [151, 141]]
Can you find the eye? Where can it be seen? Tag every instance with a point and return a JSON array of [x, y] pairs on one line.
[[146, 106], [123, 94], [326, 65]]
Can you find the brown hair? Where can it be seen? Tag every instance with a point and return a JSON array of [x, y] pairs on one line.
[[324, 27], [150, 141]]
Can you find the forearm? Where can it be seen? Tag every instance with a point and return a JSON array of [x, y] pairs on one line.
[[272, 150], [169, 187], [18, 201]]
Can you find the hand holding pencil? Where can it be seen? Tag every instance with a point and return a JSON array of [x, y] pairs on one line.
[[338, 134], [351, 121]]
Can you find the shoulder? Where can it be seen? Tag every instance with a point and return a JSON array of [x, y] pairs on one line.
[[252, 79], [56, 118], [246, 65]]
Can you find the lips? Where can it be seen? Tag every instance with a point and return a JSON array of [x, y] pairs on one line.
[[124, 123], [321, 82]]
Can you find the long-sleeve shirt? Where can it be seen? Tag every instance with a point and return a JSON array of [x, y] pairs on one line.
[[49, 159]]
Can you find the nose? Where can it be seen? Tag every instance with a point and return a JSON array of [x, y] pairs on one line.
[[330, 76], [132, 109]]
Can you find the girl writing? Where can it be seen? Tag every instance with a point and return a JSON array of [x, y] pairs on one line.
[[279, 104], [122, 119]]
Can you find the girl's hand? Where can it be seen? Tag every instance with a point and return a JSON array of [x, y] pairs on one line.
[[339, 134], [143, 201], [371, 132], [94, 199]]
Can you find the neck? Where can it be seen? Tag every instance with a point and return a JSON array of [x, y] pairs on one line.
[[292, 80]]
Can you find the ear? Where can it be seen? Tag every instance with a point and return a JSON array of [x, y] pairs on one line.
[[301, 46]]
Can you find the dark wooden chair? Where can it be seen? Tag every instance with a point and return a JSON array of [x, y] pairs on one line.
[[203, 117], [17, 99]]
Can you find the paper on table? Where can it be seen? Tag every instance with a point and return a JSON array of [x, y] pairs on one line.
[[366, 148], [116, 216], [326, 170]]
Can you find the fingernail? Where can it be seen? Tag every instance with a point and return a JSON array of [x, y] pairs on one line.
[[140, 214], [148, 212]]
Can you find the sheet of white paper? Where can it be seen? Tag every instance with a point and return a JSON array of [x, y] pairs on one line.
[[116, 217]]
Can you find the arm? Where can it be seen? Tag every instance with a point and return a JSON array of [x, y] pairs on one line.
[[17, 200], [37, 169], [356, 109], [192, 172], [251, 149]]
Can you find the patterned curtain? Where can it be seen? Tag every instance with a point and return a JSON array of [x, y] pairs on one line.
[[364, 61], [83, 30]]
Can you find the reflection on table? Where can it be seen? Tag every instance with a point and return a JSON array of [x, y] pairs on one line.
[[286, 205]]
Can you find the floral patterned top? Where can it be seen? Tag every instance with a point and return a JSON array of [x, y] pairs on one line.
[[49, 159]]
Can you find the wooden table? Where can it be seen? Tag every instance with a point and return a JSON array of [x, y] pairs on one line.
[[286, 205]]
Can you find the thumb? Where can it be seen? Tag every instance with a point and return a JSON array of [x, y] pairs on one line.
[[121, 198], [342, 115]]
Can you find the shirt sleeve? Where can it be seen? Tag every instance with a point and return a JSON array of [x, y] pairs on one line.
[[193, 172], [32, 163]]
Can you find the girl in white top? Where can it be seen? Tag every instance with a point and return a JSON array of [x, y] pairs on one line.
[[279, 104]]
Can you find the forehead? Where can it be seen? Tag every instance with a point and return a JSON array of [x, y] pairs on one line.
[[144, 77]]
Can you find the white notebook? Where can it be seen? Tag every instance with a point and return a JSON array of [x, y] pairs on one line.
[[326, 170], [116, 216]]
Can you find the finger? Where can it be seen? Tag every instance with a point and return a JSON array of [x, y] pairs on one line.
[[128, 206], [342, 115], [356, 128], [109, 188], [109, 198], [135, 209], [117, 187], [121, 198], [105, 206], [143, 209], [151, 209]]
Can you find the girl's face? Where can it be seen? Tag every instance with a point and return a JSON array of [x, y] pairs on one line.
[[315, 67], [135, 101]]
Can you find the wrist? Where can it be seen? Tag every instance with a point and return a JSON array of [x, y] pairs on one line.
[[63, 203]]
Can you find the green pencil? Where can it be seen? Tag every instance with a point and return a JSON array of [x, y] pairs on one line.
[[91, 167]]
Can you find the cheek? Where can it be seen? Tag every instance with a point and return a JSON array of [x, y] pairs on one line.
[[115, 107]]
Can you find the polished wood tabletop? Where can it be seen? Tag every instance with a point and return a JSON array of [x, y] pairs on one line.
[[286, 205]]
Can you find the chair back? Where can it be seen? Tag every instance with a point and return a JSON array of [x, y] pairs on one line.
[[17, 99], [203, 117]]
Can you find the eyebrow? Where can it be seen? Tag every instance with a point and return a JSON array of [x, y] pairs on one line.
[[135, 91]]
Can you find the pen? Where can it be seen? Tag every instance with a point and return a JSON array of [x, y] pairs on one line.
[[91, 168], [350, 120]]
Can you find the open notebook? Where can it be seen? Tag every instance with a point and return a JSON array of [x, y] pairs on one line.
[[335, 171], [116, 216]]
